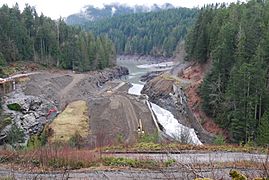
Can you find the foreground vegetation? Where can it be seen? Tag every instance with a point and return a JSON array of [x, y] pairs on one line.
[[178, 148], [29, 37], [64, 158], [61, 157], [235, 40]]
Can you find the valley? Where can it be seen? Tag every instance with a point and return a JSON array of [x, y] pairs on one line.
[[129, 92], [107, 108]]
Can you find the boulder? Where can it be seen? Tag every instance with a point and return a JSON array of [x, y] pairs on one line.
[[32, 116]]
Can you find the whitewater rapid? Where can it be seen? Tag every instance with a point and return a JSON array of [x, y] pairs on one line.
[[171, 125]]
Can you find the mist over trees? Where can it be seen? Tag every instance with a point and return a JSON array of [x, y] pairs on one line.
[[26, 36], [153, 33], [235, 91]]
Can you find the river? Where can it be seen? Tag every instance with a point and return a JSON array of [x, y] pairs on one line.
[[139, 68], [171, 126]]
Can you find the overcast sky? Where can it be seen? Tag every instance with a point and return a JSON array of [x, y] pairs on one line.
[[57, 8]]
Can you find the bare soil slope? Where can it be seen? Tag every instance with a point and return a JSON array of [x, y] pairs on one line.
[[113, 114]]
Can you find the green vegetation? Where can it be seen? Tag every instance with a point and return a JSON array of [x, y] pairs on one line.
[[120, 138], [64, 157], [29, 37], [5, 121], [14, 107], [169, 162], [15, 135], [147, 146], [219, 140], [263, 133], [134, 163], [38, 140], [34, 142], [235, 91], [154, 33], [75, 140], [72, 158], [7, 178], [149, 138], [2, 60], [176, 147], [237, 175]]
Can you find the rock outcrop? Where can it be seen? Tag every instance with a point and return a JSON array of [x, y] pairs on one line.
[[31, 115], [150, 75], [168, 94], [110, 74], [36, 102]]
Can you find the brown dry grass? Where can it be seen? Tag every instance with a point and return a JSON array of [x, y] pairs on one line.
[[73, 119]]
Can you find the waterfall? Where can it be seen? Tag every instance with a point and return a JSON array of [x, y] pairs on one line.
[[171, 125]]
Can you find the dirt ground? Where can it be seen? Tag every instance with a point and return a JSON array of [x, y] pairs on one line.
[[195, 75], [114, 115]]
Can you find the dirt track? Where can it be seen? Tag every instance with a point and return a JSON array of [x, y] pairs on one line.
[[182, 169], [194, 158], [76, 78], [131, 117], [128, 174], [114, 115]]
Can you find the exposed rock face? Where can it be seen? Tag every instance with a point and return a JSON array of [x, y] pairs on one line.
[[45, 93], [168, 94], [34, 112], [150, 75], [110, 74]]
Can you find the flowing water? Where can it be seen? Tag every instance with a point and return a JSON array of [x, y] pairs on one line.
[[171, 126], [140, 68]]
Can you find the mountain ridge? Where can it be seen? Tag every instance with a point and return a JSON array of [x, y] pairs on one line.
[[91, 13]]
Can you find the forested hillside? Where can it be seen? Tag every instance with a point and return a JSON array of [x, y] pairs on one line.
[[91, 13], [235, 91], [29, 37], [154, 33]]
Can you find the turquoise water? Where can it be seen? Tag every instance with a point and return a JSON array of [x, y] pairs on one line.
[[135, 72]]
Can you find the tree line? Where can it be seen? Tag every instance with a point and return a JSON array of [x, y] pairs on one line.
[[235, 39], [153, 33], [26, 36]]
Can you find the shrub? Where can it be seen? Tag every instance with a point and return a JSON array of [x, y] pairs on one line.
[[5, 122], [120, 138], [40, 140], [2, 60], [44, 137], [219, 140], [149, 138], [148, 146], [75, 140], [62, 162], [14, 107], [236, 175], [34, 142], [15, 135], [169, 162], [134, 163]]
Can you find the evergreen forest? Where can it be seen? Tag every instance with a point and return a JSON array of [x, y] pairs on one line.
[[154, 33], [235, 39], [26, 36]]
